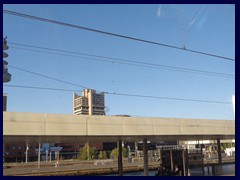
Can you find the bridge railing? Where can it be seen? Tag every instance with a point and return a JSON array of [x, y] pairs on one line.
[[103, 162]]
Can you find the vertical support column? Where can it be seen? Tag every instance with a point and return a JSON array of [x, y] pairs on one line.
[[58, 156], [219, 152], [160, 156], [26, 160], [39, 147], [120, 163], [202, 156], [136, 148], [184, 164], [145, 157], [46, 155], [50, 156], [171, 159]]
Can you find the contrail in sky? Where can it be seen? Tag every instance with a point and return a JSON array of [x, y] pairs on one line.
[[201, 22], [159, 10], [196, 16]]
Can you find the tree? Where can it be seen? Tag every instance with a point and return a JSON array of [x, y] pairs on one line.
[[102, 155], [83, 152], [114, 152], [125, 152]]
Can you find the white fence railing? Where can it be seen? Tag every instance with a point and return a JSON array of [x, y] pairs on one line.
[[103, 162]]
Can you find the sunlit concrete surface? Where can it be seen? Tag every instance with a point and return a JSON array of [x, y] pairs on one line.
[[33, 127]]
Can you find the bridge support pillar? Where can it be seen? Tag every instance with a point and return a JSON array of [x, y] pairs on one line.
[[219, 152], [120, 163], [145, 157]]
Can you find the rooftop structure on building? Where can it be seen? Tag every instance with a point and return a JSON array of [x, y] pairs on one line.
[[90, 103]]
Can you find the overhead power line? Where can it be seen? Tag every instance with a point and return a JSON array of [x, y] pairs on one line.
[[120, 61], [45, 76], [111, 34], [124, 94]]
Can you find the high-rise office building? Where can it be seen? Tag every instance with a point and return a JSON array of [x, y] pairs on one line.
[[90, 103]]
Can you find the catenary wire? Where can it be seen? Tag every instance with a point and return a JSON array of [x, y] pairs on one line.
[[121, 61], [124, 94], [55, 79], [112, 34]]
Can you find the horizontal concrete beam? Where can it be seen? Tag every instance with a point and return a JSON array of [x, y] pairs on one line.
[[59, 127]]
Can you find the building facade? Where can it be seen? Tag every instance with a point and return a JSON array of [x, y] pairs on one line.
[[90, 103]]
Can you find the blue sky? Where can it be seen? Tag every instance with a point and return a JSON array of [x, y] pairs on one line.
[[206, 28]]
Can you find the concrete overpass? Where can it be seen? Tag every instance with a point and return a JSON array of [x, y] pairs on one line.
[[57, 128]]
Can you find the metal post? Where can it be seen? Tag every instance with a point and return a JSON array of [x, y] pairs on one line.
[[120, 163], [50, 156], [160, 156], [171, 160], [136, 148], [46, 155], [145, 157], [26, 160], [39, 147]]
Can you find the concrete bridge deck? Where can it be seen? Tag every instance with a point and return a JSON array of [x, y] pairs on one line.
[[32, 127]]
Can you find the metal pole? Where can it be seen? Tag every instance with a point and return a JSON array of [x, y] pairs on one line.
[[160, 156], [136, 148], [120, 163], [145, 157], [39, 146], [26, 160], [46, 155], [50, 156], [171, 159]]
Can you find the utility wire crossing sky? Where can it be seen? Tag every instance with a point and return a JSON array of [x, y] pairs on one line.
[[143, 72]]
